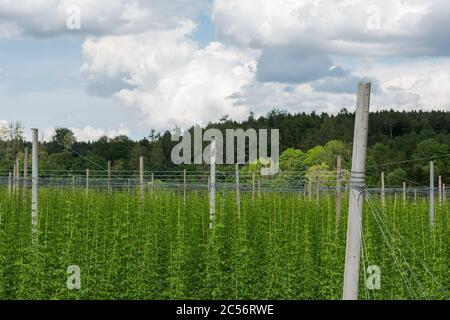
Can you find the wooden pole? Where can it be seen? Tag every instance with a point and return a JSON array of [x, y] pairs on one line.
[[10, 183], [141, 178], [25, 169], [152, 182], [404, 192], [87, 182], [357, 189], [383, 191], [432, 193], [17, 175], [253, 186], [444, 194], [310, 188], [440, 191], [338, 189], [184, 186], [35, 184], [14, 178], [109, 177], [73, 183], [238, 191], [415, 194], [212, 195], [317, 187]]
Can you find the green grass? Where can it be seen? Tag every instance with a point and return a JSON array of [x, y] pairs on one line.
[[282, 246]]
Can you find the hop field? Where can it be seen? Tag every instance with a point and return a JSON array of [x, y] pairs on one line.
[[277, 246]]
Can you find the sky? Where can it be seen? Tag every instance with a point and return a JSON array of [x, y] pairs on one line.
[[110, 67]]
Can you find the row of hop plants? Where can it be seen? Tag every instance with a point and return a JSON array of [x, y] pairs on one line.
[[276, 246]]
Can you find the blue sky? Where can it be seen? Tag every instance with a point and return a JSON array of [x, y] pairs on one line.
[[140, 65]]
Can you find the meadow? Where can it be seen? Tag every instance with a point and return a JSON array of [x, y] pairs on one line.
[[279, 245]]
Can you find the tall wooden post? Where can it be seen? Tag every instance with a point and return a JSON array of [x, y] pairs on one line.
[[310, 188], [17, 175], [73, 183], [317, 187], [212, 194], [404, 192], [25, 170], [432, 193], [238, 191], [10, 183], [184, 186], [87, 182], [35, 184], [152, 183], [383, 191], [109, 177], [14, 178], [338, 189], [141, 178], [357, 189], [444, 194], [253, 186], [440, 191]]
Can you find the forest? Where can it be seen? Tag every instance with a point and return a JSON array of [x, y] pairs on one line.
[[400, 143]]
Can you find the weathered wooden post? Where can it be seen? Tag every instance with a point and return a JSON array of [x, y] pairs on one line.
[[338, 189], [10, 183], [404, 192], [17, 175], [238, 191], [152, 182], [141, 178], [87, 182], [109, 177], [212, 194], [444, 194], [25, 170], [432, 193], [184, 186], [253, 186], [317, 187], [35, 184], [310, 188], [383, 191], [14, 178], [440, 191], [415, 194], [73, 183], [357, 189]]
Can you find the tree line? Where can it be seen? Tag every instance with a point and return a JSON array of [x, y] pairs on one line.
[[399, 143]]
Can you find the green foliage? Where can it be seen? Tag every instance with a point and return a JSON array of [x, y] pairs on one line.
[[280, 246]]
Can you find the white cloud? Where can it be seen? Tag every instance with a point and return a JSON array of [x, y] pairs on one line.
[[88, 133], [336, 27], [269, 53], [168, 77], [48, 18]]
